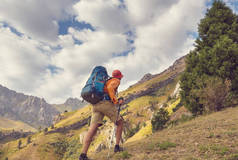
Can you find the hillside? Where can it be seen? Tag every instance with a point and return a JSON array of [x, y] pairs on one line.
[[70, 104], [7, 124], [214, 136], [141, 100], [211, 137], [31, 110]]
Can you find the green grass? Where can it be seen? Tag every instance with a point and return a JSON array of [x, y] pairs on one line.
[[123, 155], [74, 117], [214, 148], [233, 157], [166, 145]]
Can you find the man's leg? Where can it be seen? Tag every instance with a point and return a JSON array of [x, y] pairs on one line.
[[119, 131], [88, 139]]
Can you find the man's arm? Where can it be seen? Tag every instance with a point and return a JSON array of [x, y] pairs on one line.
[[112, 87]]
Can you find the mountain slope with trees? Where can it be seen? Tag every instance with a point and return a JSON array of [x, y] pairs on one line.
[[212, 66], [160, 123]]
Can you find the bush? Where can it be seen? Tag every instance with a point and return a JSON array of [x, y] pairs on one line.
[[72, 150], [28, 139], [165, 145], [60, 147], [46, 130], [123, 155], [133, 131], [19, 144], [159, 119], [213, 94]]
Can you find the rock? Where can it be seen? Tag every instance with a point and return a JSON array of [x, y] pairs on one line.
[[176, 91], [146, 77], [81, 137], [28, 109]]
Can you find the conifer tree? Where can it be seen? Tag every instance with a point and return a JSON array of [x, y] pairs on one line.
[[215, 54]]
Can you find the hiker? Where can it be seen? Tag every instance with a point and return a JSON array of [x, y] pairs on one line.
[[106, 107]]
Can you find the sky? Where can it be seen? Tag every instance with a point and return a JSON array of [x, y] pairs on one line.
[[49, 48]]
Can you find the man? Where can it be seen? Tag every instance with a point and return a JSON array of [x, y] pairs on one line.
[[107, 107]]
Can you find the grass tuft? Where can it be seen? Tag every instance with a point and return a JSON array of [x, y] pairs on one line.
[[165, 145], [233, 157], [123, 155]]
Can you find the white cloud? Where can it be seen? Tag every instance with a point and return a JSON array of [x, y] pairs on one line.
[[77, 61], [37, 19], [103, 14], [161, 35], [161, 41], [143, 12], [22, 62]]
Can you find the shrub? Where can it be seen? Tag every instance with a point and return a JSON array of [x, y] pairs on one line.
[[133, 131], [19, 144], [60, 147], [72, 150], [213, 94], [28, 139], [46, 130], [233, 157], [159, 119], [169, 98], [123, 155], [165, 145]]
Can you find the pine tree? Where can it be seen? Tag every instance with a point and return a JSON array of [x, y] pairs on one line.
[[215, 54]]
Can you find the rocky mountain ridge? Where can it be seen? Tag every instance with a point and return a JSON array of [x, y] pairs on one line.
[[70, 104], [28, 109], [178, 66], [179, 63]]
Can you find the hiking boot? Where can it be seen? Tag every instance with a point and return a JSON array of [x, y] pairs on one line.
[[118, 148], [83, 156]]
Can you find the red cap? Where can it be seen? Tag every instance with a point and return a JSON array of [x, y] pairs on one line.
[[117, 74]]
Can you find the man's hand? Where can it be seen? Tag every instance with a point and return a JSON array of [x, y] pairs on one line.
[[120, 101]]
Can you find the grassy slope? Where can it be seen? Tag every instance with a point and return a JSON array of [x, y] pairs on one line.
[[42, 147], [75, 116], [61, 108], [214, 136], [7, 124], [145, 85], [42, 150]]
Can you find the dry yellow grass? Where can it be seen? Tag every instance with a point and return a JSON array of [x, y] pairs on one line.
[[73, 117], [210, 137], [7, 124]]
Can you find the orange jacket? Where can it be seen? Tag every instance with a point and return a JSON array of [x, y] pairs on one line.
[[111, 89]]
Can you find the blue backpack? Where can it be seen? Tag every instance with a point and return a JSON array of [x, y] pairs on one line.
[[93, 91]]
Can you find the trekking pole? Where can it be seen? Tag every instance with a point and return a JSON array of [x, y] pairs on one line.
[[114, 130]]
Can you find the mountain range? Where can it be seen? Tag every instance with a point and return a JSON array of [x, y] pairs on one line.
[[30, 110]]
